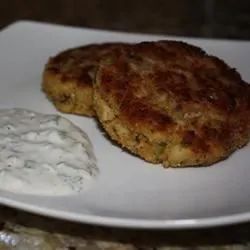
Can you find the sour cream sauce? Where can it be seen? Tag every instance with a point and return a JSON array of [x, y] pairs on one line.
[[43, 154]]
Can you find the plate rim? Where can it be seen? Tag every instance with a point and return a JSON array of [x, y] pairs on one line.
[[108, 221]]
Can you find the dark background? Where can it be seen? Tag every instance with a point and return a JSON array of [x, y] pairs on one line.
[[205, 18]]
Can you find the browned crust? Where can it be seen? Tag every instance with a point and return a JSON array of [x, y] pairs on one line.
[[68, 97], [68, 77], [176, 94]]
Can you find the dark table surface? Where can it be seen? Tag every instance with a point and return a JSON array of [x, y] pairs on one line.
[[202, 18], [208, 18]]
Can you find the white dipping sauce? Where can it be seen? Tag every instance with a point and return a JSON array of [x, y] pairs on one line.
[[43, 154]]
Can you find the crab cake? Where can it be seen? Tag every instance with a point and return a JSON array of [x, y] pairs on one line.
[[171, 103], [67, 78]]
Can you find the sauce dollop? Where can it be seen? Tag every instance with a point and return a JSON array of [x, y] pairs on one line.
[[43, 154]]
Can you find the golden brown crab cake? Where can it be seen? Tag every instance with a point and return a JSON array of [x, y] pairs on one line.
[[171, 103], [68, 76]]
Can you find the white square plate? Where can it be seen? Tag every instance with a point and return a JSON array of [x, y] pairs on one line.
[[129, 192]]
